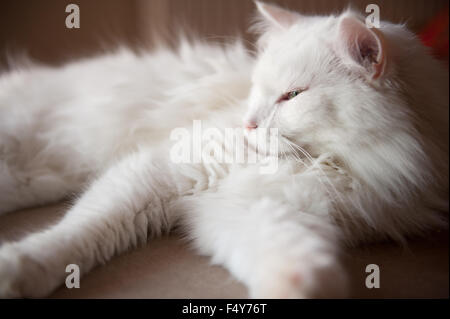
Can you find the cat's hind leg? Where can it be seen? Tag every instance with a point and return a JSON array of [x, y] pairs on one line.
[[39, 160], [31, 175]]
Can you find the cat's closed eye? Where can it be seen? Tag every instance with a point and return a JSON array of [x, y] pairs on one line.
[[290, 95]]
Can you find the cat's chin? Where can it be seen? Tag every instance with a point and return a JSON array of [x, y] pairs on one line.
[[261, 150], [282, 151]]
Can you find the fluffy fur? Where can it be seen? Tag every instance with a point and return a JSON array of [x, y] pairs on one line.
[[364, 153]]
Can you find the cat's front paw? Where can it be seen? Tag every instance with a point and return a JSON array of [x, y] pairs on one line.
[[21, 276], [301, 283]]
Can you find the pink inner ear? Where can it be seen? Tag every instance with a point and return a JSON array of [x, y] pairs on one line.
[[379, 66], [365, 46]]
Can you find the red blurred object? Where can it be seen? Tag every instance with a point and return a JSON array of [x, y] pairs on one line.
[[435, 34]]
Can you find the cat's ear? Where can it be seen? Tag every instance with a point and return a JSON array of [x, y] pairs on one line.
[[275, 16], [362, 47]]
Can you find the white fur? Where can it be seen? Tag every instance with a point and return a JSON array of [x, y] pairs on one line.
[[369, 158]]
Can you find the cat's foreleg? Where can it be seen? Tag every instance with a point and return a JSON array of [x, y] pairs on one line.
[[277, 251], [124, 207]]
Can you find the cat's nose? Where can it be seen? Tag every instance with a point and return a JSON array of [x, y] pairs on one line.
[[251, 125]]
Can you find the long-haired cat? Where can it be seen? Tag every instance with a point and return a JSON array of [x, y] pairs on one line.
[[362, 119]]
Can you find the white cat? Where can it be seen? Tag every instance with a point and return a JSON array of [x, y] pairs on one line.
[[362, 116]]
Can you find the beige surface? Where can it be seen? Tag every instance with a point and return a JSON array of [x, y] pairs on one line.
[[166, 268]]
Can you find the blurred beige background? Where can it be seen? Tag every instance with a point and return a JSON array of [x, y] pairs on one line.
[[38, 29], [166, 268]]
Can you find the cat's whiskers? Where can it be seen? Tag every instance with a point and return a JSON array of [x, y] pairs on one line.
[[286, 156], [315, 164], [296, 156]]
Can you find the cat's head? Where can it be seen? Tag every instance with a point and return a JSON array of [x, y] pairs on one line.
[[316, 78], [329, 84]]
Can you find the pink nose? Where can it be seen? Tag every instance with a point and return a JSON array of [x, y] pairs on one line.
[[251, 125]]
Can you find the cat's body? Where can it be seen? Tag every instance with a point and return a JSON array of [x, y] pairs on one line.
[[378, 139], [105, 110]]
